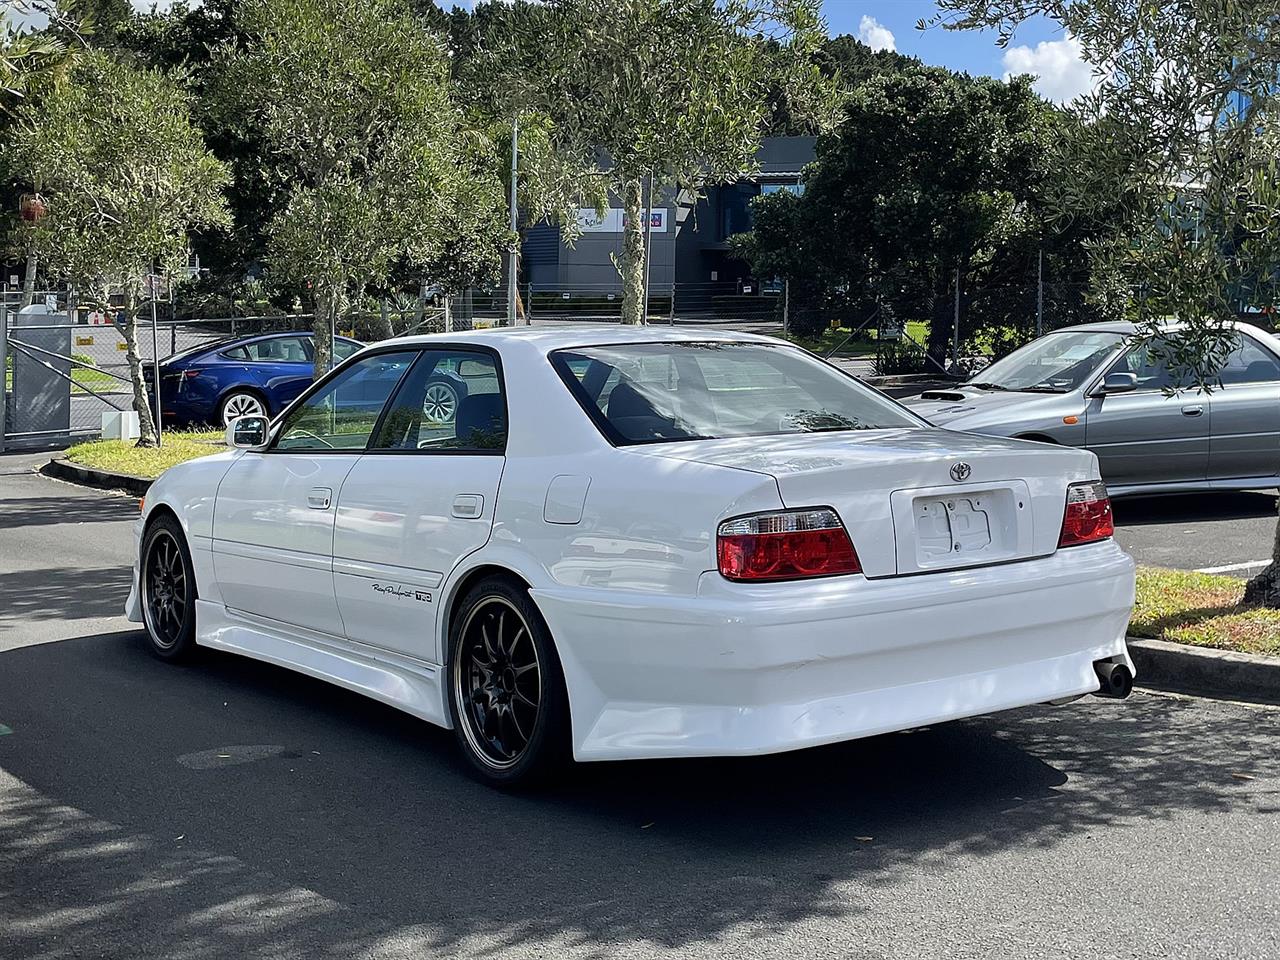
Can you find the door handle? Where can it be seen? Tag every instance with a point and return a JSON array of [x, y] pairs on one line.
[[468, 506], [1194, 410], [319, 498]]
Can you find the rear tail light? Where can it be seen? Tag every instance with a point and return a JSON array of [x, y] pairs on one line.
[[1087, 518], [788, 545]]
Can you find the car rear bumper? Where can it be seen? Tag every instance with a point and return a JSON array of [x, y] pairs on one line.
[[750, 669]]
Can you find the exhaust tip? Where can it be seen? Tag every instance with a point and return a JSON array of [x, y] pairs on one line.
[[1115, 680]]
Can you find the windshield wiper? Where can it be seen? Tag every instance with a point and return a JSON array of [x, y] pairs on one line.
[[984, 385], [1042, 388]]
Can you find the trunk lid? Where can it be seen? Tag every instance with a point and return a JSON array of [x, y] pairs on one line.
[[895, 490]]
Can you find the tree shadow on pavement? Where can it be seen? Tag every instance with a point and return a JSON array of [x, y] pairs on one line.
[[234, 809], [38, 511], [62, 593]]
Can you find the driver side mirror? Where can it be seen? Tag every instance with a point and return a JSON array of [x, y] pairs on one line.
[[1119, 383], [248, 433]]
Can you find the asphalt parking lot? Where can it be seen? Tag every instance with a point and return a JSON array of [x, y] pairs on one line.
[[231, 809]]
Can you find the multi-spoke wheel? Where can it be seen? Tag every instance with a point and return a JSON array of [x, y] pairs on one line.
[[241, 403], [440, 402], [168, 590], [506, 688]]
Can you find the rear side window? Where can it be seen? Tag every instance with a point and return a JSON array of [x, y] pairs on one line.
[[451, 402], [1249, 363], [279, 350], [655, 392]]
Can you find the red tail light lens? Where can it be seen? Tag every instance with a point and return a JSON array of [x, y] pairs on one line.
[[789, 545], [1087, 518]]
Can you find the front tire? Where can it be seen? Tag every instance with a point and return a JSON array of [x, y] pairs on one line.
[[168, 584], [506, 687]]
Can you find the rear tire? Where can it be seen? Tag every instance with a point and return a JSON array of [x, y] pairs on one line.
[[240, 403], [167, 584], [506, 687]]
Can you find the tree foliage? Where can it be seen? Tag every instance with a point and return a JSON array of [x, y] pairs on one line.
[[929, 172], [126, 177], [370, 156], [675, 91]]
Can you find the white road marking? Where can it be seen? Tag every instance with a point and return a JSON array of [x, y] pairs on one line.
[[1234, 566]]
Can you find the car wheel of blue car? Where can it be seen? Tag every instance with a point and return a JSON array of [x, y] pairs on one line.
[[241, 403], [440, 403]]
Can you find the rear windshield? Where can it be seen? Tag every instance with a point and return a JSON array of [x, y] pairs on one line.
[[655, 392]]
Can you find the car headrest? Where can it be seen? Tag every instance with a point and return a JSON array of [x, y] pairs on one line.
[[626, 401], [481, 417]]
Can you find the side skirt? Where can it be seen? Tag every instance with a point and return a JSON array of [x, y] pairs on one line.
[[409, 685]]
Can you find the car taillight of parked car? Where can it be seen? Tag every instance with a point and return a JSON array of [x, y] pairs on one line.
[[786, 545], [1087, 518]]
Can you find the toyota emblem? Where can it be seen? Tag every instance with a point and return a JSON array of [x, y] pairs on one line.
[[960, 471]]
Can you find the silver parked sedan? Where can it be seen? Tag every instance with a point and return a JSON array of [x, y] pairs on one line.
[[1100, 386]]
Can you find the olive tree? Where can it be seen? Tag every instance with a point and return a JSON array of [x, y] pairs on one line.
[[1181, 136], [673, 92], [125, 177], [366, 151]]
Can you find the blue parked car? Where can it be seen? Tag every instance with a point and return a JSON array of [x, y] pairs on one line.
[[261, 375]]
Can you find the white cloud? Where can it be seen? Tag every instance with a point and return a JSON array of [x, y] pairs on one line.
[[1062, 74], [875, 34]]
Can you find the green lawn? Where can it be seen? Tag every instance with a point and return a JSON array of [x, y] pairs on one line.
[[124, 456], [1202, 610], [863, 343]]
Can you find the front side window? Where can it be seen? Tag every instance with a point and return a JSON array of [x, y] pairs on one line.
[[344, 348], [1146, 361], [1057, 363], [451, 401], [654, 392], [342, 413]]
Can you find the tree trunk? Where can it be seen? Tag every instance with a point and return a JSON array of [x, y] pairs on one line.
[[634, 309], [29, 278], [1264, 589], [147, 436], [384, 321], [329, 304]]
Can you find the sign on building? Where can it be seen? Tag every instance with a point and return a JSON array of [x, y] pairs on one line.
[[614, 220]]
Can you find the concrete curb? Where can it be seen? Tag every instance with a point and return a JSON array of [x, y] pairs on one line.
[[1203, 671], [61, 468]]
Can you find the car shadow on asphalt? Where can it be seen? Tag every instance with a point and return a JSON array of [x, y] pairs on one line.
[[1194, 507], [231, 808]]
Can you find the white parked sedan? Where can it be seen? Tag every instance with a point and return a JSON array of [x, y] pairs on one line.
[[638, 543]]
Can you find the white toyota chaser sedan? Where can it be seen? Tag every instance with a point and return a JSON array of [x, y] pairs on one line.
[[637, 542]]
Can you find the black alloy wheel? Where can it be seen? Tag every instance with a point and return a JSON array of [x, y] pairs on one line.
[[506, 687], [168, 590]]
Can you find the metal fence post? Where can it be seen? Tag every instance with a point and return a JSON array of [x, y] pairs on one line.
[[955, 326], [1040, 292], [672, 321], [4, 363], [155, 357], [786, 307]]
